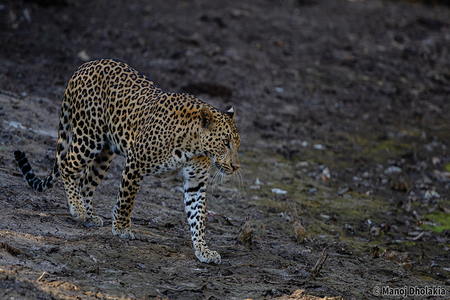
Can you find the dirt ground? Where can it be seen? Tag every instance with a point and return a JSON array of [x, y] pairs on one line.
[[344, 107]]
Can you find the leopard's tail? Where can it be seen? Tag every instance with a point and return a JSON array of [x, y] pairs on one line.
[[65, 128]]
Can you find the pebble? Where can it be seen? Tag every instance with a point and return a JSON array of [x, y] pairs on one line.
[[279, 192], [303, 164], [431, 194], [343, 191], [319, 147], [393, 170], [326, 174]]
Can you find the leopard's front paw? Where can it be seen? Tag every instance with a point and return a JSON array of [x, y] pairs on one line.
[[78, 212], [93, 221], [208, 256], [124, 232]]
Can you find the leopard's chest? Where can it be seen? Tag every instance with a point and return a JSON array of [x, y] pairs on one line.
[[168, 165]]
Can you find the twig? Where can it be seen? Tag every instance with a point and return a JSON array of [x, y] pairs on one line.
[[9, 249], [41, 276], [318, 266], [226, 220], [444, 209], [61, 214], [248, 265], [230, 277], [19, 174], [11, 172], [423, 251], [417, 237], [231, 253]]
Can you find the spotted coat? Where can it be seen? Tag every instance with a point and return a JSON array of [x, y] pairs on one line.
[[110, 108]]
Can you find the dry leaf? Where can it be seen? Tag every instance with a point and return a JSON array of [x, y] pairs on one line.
[[300, 231], [375, 252], [406, 265], [395, 256], [400, 184], [246, 233]]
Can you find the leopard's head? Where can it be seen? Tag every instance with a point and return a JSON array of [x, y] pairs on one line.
[[220, 139]]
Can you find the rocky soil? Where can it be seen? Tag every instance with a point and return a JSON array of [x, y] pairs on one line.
[[344, 109]]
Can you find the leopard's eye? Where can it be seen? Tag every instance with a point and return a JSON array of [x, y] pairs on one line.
[[226, 142]]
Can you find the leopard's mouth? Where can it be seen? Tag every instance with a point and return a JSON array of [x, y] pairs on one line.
[[224, 169], [228, 172]]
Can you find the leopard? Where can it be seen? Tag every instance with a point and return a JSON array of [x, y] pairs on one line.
[[109, 108]]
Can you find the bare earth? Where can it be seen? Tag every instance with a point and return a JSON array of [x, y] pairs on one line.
[[344, 105]]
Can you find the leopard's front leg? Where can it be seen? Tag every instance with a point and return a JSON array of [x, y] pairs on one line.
[[195, 177]]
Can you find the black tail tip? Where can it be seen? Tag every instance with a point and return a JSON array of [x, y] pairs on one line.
[[18, 154]]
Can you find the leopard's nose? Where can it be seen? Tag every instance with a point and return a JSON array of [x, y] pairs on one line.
[[235, 168]]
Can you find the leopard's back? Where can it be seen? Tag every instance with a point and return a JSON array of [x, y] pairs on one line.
[[110, 100]]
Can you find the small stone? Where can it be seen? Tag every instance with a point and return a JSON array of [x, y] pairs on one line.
[[312, 191], [393, 170], [279, 89], [83, 55], [303, 164], [343, 191], [427, 180], [326, 175], [436, 160], [430, 194], [319, 147], [279, 192]]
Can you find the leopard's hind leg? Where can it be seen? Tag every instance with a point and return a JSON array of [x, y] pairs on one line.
[[91, 179], [80, 155]]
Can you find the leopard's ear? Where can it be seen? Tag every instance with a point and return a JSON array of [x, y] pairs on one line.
[[231, 112], [207, 118]]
